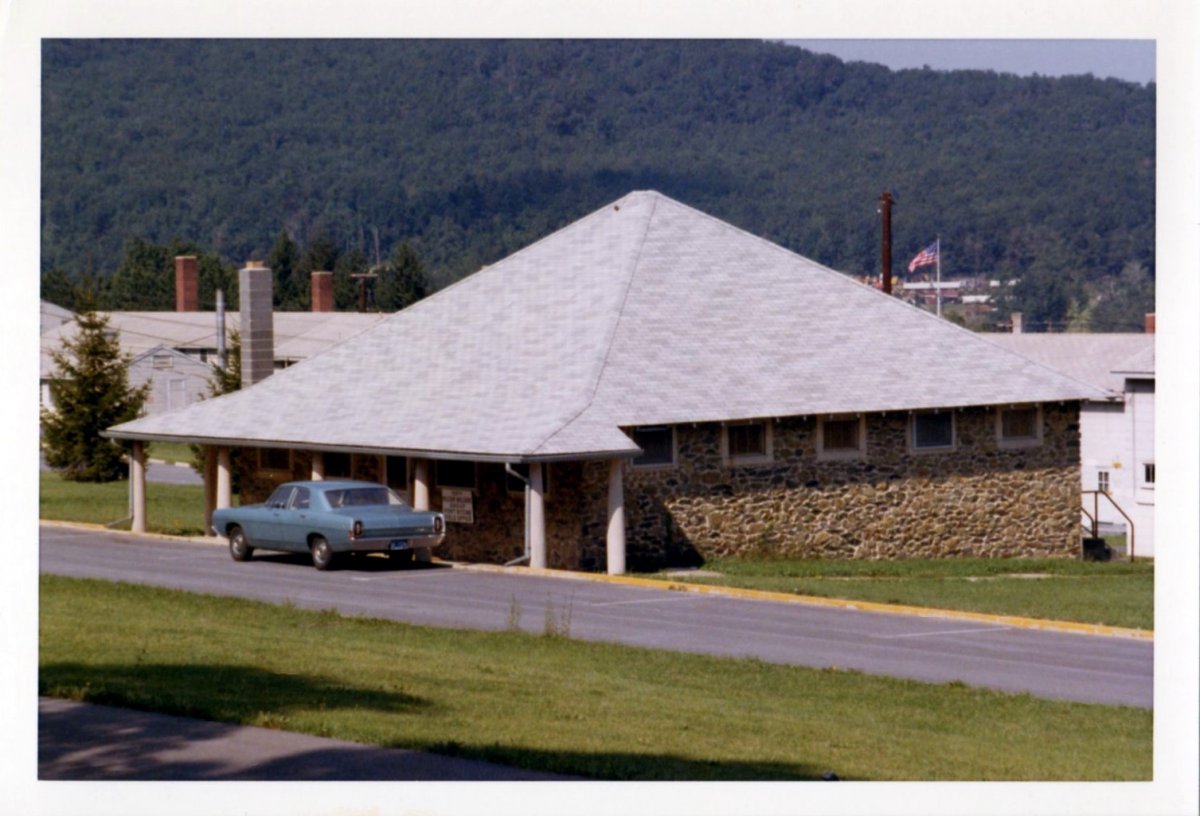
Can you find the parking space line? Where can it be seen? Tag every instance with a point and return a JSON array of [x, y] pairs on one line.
[[945, 632]]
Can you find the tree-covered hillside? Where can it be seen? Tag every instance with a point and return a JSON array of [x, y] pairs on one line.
[[469, 150]]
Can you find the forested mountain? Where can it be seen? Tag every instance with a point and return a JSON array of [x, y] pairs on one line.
[[469, 150]]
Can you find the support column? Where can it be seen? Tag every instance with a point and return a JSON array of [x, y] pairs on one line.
[[420, 499], [318, 465], [537, 517], [137, 483], [615, 541], [210, 487], [224, 479]]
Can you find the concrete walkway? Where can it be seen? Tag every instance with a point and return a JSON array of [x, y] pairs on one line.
[[82, 741]]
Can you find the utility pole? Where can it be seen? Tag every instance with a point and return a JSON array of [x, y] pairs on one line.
[[885, 209]]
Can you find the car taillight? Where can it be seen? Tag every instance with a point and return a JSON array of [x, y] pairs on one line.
[[437, 524], [356, 531]]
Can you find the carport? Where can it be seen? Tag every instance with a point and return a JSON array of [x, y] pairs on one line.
[[218, 491]]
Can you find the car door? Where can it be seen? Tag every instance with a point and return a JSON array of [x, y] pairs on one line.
[[292, 521], [275, 516]]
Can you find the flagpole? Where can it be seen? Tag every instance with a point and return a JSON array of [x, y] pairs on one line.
[[938, 255]]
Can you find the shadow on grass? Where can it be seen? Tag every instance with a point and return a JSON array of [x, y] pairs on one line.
[[108, 741], [229, 693], [625, 766], [101, 742]]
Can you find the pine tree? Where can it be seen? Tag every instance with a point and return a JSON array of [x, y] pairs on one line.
[[402, 281], [91, 392]]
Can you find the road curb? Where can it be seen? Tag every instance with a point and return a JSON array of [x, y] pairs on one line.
[[1014, 621], [1071, 627]]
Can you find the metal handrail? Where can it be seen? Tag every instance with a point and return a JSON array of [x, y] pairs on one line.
[[1095, 515]]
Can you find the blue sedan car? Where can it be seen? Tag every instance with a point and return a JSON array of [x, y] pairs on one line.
[[327, 519]]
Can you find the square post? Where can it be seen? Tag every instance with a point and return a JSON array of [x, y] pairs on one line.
[[537, 517], [420, 499], [137, 480], [224, 478], [318, 466], [210, 487], [615, 541]]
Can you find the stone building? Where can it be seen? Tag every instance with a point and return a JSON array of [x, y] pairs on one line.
[[654, 385]]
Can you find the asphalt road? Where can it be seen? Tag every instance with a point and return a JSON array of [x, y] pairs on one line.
[[1087, 668]]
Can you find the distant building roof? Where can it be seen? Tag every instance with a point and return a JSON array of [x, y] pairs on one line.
[[298, 335], [54, 316], [1103, 360], [644, 312]]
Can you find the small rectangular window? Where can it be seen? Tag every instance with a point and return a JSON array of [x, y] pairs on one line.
[[1102, 481], [1018, 423], [162, 361], [1148, 473], [274, 459], [747, 441], [933, 431], [397, 473], [840, 434], [337, 465], [449, 473], [657, 444]]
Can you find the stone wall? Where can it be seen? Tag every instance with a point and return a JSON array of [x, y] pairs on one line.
[[977, 500]]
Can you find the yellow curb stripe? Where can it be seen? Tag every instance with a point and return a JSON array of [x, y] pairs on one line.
[[836, 603], [731, 592]]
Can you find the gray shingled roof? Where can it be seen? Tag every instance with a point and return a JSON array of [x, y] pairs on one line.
[[644, 312], [1099, 359]]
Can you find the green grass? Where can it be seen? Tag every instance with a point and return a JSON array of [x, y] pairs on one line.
[[174, 509], [171, 452], [551, 703], [1116, 593]]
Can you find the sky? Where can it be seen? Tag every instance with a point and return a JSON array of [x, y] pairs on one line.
[[1130, 60]]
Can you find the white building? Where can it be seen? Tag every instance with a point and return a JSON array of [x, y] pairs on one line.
[[1117, 450]]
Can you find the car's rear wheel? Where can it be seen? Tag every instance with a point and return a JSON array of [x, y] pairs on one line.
[[322, 553], [239, 548]]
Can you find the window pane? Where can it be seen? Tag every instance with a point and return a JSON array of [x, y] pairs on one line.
[[933, 430], [840, 434], [657, 444], [455, 474], [274, 459], [300, 499], [397, 472], [1148, 473], [1019, 423], [337, 465], [747, 440], [280, 497]]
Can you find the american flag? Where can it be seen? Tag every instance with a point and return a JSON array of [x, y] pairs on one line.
[[925, 257]]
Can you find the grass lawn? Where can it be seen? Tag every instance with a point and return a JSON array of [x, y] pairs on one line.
[[170, 452], [1116, 593], [174, 509], [548, 702]]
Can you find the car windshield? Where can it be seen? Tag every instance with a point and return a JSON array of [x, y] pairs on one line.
[[362, 496]]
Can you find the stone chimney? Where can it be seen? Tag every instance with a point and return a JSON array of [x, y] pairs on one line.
[[1017, 321], [1150, 323], [322, 291], [187, 284], [257, 322]]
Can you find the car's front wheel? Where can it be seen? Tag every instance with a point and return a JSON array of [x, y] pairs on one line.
[[239, 548], [322, 553]]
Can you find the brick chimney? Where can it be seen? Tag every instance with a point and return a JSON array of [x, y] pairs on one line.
[[322, 291], [187, 284], [257, 322], [1017, 322], [1150, 323]]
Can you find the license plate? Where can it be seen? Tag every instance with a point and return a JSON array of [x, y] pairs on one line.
[[398, 544]]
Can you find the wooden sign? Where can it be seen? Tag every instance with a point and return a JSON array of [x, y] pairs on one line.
[[458, 505]]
